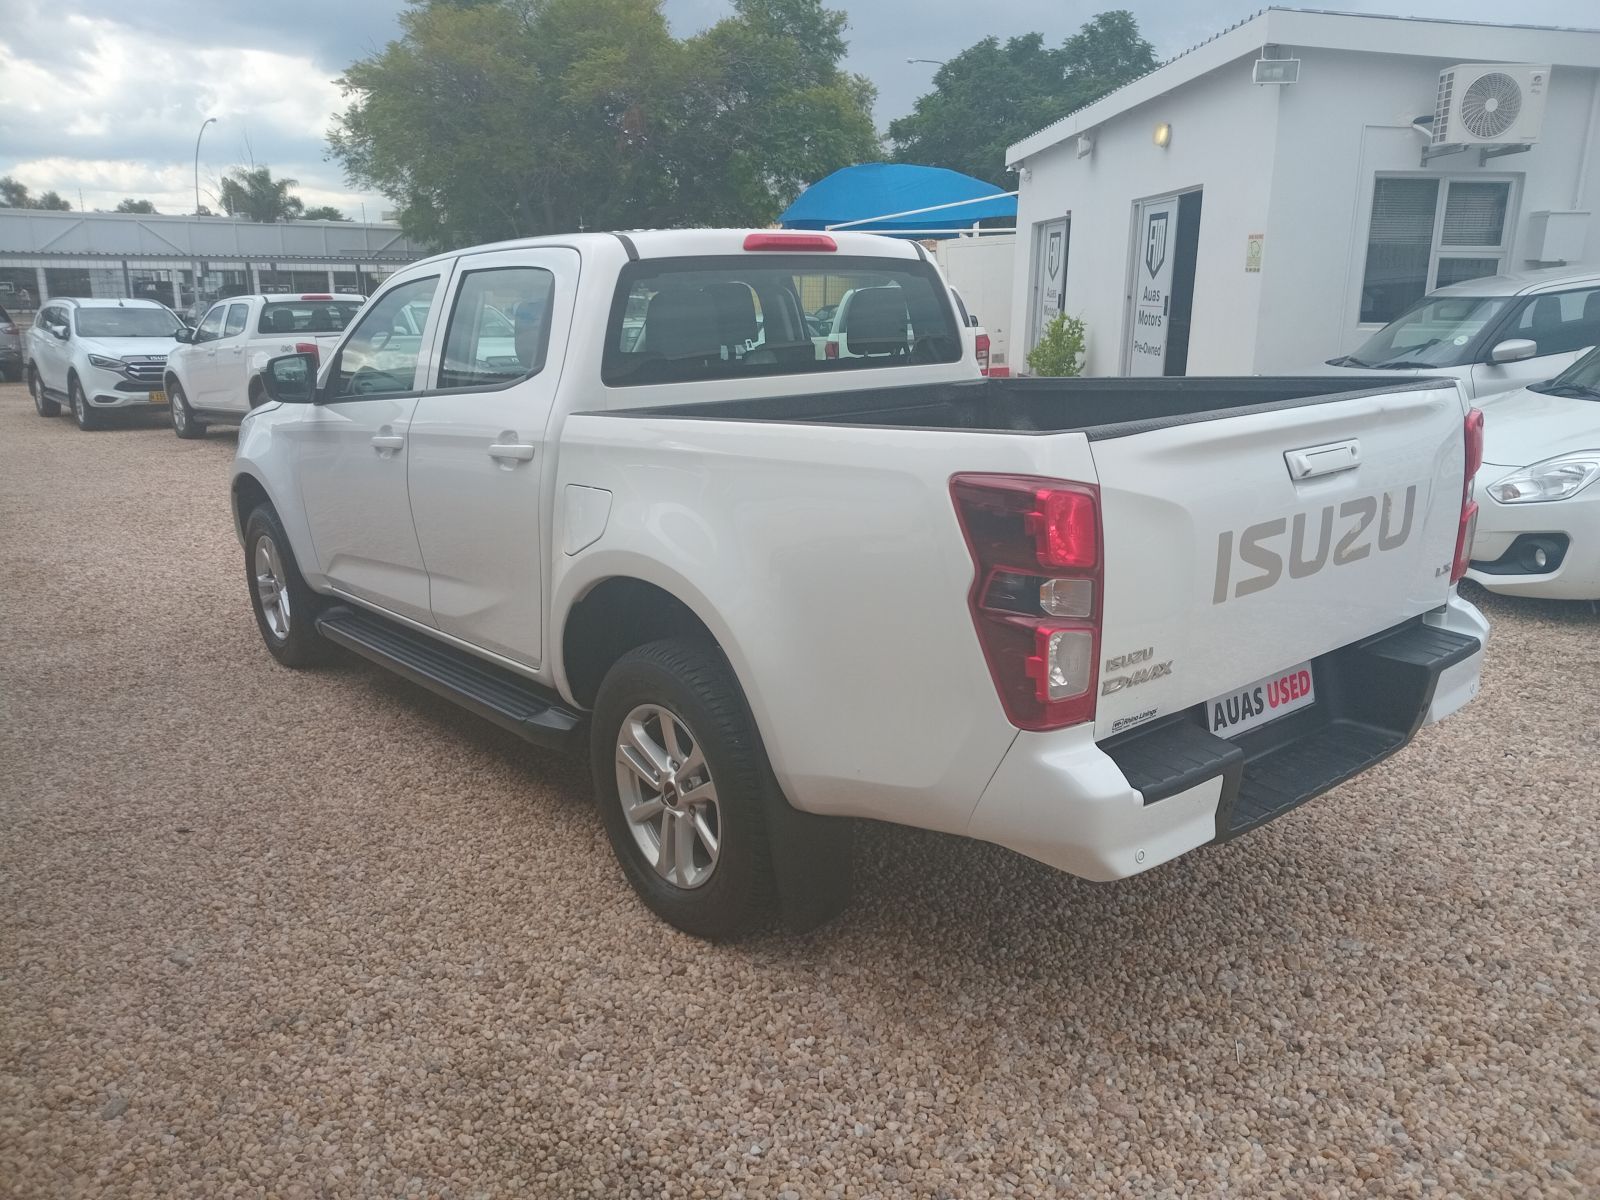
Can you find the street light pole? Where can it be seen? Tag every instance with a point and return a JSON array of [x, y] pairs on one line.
[[197, 137]]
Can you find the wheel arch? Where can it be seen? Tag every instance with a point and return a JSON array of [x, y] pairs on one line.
[[616, 614], [247, 492]]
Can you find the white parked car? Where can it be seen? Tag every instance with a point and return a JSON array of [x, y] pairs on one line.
[[213, 378], [1495, 334], [1102, 622], [1538, 501], [99, 356]]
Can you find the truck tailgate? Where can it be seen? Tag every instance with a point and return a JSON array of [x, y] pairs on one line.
[[1238, 547]]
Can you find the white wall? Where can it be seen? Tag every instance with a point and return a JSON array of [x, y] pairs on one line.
[[1296, 163], [1222, 132], [1346, 121]]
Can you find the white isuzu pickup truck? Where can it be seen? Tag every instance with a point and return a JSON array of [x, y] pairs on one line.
[[1100, 621]]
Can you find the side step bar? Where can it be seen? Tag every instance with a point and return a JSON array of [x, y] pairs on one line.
[[532, 712]]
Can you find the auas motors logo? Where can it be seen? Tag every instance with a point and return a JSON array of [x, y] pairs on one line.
[[1260, 546]]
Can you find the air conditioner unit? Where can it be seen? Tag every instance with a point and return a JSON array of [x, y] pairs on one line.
[[1490, 104]]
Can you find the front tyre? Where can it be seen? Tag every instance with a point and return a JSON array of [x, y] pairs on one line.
[[42, 404], [184, 423], [82, 413], [681, 780], [284, 606]]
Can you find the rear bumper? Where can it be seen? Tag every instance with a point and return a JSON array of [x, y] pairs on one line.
[[1109, 810]]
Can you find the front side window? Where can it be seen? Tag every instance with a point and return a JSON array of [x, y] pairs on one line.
[[381, 354], [238, 314], [126, 323], [499, 329], [1428, 233], [1444, 331], [690, 319], [211, 327], [1560, 322]]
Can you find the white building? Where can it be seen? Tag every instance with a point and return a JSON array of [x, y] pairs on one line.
[[1206, 223]]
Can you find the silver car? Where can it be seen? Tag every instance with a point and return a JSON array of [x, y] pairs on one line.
[[1495, 334]]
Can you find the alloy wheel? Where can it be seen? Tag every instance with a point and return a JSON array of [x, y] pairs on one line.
[[668, 796], [272, 587]]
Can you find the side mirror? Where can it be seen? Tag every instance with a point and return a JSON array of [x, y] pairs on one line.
[[291, 379], [1513, 350], [184, 335], [972, 320], [61, 331]]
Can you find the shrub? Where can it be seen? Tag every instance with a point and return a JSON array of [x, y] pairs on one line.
[[1060, 349]]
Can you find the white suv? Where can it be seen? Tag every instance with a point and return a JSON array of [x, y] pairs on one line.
[[98, 356]]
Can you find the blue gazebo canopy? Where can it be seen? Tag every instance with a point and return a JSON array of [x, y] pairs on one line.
[[877, 190]]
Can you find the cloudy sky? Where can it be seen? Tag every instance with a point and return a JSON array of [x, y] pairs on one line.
[[103, 97]]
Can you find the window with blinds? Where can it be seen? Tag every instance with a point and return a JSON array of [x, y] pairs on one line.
[[1416, 244]]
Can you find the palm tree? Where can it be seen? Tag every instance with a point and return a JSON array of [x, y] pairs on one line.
[[253, 192]]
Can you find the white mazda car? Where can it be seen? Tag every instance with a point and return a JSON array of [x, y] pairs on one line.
[[1538, 501]]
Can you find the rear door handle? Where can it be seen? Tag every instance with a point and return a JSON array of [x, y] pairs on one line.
[[389, 441], [521, 451], [1330, 459]]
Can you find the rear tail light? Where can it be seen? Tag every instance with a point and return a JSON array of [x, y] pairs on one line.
[[316, 295], [310, 348], [1473, 437], [830, 349], [983, 353], [789, 241], [1036, 592]]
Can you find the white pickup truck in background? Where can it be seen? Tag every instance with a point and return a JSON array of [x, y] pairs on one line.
[[1102, 622], [213, 377]]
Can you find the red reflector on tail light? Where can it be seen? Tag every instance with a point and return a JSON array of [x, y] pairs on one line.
[[789, 241], [1472, 436], [308, 348], [1036, 592], [983, 353], [830, 350]]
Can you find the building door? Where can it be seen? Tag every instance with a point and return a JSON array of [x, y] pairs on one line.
[[1161, 300], [1049, 275]]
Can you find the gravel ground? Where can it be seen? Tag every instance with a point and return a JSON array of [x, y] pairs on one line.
[[275, 934]]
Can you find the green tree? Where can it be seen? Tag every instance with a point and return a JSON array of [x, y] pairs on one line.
[[323, 212], [253, 193], [501, 118], [136, 206], [992, 95], [14, 194]]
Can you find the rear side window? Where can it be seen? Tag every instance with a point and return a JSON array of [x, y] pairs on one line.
[[693, 319], [499, 328], [238, 314]]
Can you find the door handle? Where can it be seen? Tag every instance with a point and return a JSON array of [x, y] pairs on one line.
[[521, 451], [1330, 459], [389, 441]]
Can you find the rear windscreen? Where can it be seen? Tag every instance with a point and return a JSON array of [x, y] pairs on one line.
[[686, 319], [307, 316]]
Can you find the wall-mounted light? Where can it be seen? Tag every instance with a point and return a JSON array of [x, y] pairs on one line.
[[1163, 135]]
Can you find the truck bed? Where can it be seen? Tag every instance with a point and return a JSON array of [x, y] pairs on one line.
[[1100, 408]]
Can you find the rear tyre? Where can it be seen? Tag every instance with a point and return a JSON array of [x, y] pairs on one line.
[[184, 423], [82, 413], [42, 404], [285, 608], [682, 784]]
